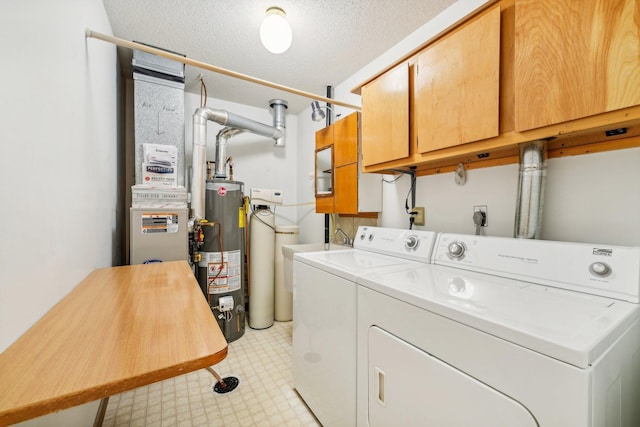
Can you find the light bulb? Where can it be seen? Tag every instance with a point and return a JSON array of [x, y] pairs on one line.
[[275, 32]]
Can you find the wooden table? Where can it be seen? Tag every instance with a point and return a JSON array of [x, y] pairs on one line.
[[120, 328]]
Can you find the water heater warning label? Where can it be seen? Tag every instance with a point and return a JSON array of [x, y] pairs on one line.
[[223, 275], [159, 223]]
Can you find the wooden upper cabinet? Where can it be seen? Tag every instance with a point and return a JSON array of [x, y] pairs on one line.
[[575, 59], [345, 173], [509, 72], [346, 197], [352, 192], [345, 140], [324, 177], [324, 138], [457, 86], [385, 117]]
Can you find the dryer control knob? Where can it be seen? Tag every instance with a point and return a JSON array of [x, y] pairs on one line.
[[456, 249], [411, 243], [600, 269]]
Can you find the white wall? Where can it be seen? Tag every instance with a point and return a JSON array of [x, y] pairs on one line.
[[589, 198], [449, 207], [257, 163], [594, 198], [59, 145], [59, 164]]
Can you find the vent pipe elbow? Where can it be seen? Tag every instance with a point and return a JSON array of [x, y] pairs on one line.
[[279, 107], [531, 183], [221, 150], [234, 125]]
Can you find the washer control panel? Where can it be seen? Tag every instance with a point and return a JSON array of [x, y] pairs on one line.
[[415, 245], [606, 270]]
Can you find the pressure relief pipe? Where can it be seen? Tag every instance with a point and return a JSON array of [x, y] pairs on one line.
[[231, 121]]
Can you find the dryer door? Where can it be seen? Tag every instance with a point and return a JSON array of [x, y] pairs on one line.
[[408, 385]]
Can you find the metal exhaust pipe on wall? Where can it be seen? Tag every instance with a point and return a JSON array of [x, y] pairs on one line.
[[233, 122], [531, 182]]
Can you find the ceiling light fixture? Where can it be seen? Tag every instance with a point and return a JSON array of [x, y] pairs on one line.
[[275, 31]]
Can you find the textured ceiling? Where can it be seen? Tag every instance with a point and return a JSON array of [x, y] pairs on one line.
[[332, 39]]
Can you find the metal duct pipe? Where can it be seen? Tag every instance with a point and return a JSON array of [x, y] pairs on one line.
[[279, 108], [221, 150], [199, 154], [530, 200]]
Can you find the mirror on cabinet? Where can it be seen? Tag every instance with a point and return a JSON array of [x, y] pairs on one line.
[[324, 167]]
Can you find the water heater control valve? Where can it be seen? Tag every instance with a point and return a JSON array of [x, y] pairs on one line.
[[225, 303]]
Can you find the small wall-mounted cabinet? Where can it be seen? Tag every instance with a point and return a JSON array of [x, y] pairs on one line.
[[385, 117], [351, 191], [324, 186]]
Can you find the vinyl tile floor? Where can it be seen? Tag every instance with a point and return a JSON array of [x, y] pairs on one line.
[[260, 359]]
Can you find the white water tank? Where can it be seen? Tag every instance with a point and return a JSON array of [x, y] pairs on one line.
[[285, 235], [262, 268]]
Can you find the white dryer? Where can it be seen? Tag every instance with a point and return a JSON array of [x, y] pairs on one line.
[[324, 314], [502, 332]]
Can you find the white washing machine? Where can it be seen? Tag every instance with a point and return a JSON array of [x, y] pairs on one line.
[[324, 314], [502, 332]]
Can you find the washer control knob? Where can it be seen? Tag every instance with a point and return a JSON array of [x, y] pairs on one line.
[[600, 269], [411, 243], [371, 237], [456, 249]]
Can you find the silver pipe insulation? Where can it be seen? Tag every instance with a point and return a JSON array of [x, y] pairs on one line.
[[531, 182], [232, 121]]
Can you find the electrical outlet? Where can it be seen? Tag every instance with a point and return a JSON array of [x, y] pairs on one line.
[[483, 209], [419, 218]]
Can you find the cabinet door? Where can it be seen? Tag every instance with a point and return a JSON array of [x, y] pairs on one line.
[[324, 144], [575, 59], [457, 86], [345, 140], [385, 117], [346, 191]]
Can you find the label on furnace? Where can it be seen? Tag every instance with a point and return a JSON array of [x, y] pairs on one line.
[[159, 223]]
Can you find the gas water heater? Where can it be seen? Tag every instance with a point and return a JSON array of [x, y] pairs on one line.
[[218, 211], [221, 267]]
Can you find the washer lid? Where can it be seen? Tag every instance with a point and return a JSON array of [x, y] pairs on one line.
[[573, 327], [350, 263]]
